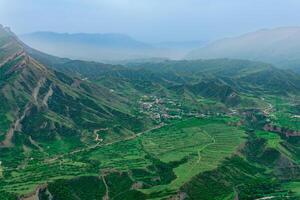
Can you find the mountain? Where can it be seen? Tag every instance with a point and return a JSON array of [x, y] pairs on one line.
[[87, 46], [224, 80], [77, 68], [280, 46], [110, 40], [109, 47], [208, 78], [190, 129], [243, 75], [40, 106]]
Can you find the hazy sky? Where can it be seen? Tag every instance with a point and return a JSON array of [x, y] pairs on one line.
[[150, 20]]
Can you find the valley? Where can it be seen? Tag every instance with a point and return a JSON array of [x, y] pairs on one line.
[[202, 129]]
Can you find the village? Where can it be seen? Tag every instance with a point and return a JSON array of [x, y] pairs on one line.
[[162, 109]]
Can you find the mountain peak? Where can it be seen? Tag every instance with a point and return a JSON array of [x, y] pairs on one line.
[[6, 30], [10, 46]]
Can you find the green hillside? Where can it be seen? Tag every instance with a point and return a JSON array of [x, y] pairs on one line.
[[49, 112], [205, 129]]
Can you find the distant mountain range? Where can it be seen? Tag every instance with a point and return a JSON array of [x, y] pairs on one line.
[[105, 47], [280, 46], [111, 40]]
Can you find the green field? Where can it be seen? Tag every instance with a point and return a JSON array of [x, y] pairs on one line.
[[204, 142], [172, 154], [157, 163], [294, 187]]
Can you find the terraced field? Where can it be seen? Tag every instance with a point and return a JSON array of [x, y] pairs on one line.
[[204, 143], [167, 158]]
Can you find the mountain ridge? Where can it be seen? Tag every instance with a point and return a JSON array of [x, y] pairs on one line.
[[279, 46], [31, 90], [105, 47], [113, 40]]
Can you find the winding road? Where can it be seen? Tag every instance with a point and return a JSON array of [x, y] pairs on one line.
[[99, 144]]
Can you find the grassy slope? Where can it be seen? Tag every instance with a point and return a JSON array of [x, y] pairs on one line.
[[197, 153], [188, 156], [205, 143]]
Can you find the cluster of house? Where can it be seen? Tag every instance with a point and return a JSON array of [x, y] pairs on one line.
[[160, 109]]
